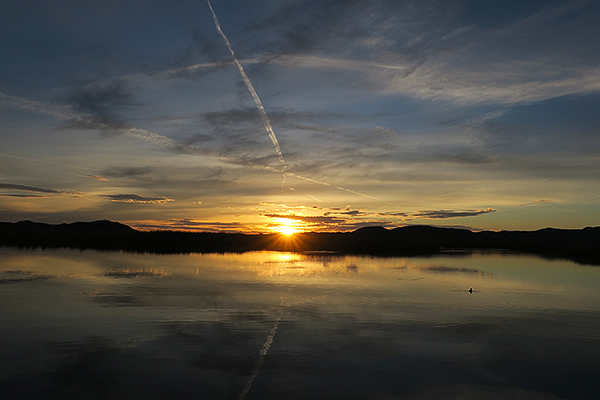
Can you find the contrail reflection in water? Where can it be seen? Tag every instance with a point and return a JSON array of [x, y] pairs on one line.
[[265, 348], [263, 351]]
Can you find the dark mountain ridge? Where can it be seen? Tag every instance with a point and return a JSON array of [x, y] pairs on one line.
[[582, 245], [94, 226]]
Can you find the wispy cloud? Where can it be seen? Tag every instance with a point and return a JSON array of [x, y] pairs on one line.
[[444, 78], [188, 224], [308, 219], [43, 161], [435, 214], [97, 177], [136, 198], [89, 121], [445, 214], [282, 206], [22, 195], [46, 192], [10, 186], [425, 49], [511, 83], [100, 98], [125, 172], [531, 203], [86, 120], [349, 212], [53, 109], [348, 218]]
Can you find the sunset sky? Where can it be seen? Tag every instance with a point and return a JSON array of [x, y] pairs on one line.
[[478, 114]]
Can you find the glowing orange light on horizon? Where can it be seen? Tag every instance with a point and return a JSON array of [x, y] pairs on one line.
[[288, 230], [288, 236], [286, 226]]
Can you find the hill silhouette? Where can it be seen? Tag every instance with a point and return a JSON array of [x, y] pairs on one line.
[[582, 245]]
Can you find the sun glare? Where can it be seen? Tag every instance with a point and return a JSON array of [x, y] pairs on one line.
[[288, 230]]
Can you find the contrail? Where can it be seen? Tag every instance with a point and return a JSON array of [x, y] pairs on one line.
[[259, 105], [265, 117]]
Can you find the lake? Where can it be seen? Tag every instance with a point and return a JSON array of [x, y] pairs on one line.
[[270, 325]]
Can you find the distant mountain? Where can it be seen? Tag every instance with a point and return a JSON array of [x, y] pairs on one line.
[[98, 226], [101, 235], [91, 227], [582, 245]]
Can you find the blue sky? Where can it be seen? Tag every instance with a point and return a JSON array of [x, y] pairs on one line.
[[466, 113]]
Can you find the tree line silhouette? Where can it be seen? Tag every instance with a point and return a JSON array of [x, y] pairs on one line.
[[582, 245]]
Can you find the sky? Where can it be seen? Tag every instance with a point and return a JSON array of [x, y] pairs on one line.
[[323, 115]]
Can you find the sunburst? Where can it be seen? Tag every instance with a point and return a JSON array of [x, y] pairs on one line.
[[288, 230]]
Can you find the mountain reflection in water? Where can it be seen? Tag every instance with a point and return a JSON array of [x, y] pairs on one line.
[[268, 325]]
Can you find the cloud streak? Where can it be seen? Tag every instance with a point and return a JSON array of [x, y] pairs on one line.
[[445, 79], [52, 109], [89, 121], [22, 195], [446, 214], [10, 186], [44, 161], [101, 97], [308, 219], [349, 218], [136, 198], [188, 224], [537, 202], [96, 177]]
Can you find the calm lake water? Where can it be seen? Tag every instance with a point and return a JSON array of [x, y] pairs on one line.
[[268, 325]]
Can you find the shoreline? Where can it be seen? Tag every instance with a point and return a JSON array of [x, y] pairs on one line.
[[580, 245]]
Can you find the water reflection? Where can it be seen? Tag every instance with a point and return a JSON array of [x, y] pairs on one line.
[[285, 325]]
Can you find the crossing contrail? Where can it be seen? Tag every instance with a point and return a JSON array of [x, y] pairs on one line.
[[323, 183], [338, 187], [314, 198], [259, 105]]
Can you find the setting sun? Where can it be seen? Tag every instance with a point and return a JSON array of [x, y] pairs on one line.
[[288, 230]]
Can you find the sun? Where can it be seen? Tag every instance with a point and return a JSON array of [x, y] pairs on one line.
[[287, 230]]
